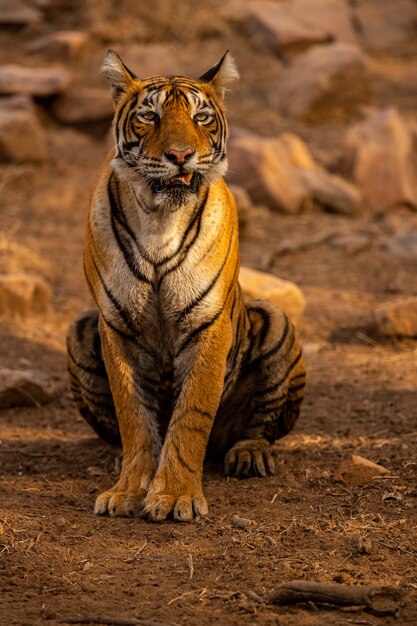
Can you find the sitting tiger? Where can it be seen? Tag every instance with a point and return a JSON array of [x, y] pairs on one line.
[[174, 364]]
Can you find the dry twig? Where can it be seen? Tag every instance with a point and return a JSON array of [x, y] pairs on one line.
[[377, 600]]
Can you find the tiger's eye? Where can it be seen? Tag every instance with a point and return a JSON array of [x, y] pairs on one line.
[[150, 116], [201, 117]]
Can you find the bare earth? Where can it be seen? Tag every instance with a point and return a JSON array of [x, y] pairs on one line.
[[58, 562]]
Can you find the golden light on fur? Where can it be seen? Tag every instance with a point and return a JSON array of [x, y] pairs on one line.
[[173, 364]]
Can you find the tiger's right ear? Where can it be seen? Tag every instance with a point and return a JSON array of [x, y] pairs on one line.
[[118, 75]]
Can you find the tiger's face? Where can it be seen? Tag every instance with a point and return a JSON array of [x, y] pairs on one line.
[[170, 131]]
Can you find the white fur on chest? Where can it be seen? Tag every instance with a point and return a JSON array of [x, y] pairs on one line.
[[160, 243]]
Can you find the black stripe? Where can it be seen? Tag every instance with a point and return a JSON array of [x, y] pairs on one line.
[[188, 247], [257, 361], [209, 287], [275, 386], [80, 327], [87, 390], [181, 459], [197, 331], [116, 304], [115, 215], [196, 217], [100, 371]]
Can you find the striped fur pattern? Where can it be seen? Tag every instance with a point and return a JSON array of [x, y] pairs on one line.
[[172, 363]]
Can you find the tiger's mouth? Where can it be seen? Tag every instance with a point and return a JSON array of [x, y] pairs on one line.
[[179, 180], [186, 181]]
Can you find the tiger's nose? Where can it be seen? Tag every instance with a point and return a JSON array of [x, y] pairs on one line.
[[179, 156]]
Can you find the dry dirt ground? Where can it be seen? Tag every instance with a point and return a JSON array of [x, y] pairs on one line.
[[58, 562]]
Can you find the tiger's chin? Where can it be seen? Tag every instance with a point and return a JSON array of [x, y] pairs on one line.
[[177, 191]]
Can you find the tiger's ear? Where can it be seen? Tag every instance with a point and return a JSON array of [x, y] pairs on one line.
[[118, 75], [221, 75]]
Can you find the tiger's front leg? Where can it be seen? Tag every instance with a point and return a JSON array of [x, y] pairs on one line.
[[137, 423], [177, 486]]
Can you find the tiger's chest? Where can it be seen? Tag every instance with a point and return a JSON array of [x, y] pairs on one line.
[[160, 284]]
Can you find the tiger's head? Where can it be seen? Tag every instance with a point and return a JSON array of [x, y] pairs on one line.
[[170, 131]]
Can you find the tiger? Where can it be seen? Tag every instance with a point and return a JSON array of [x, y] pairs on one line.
[[172, 364]]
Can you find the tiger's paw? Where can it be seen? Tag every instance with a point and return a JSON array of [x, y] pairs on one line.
[[250, 457], [120, 503], [184, 508]]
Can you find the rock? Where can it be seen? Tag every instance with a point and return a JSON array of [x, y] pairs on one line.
[[292, 25], [264, 168], [283, 293], [242, 522], [23, 103], [398, 319], [331, 192], [281, 173], [404, 245], [381, 157], [64, 44], [22, 138], [18, 12], [86, 104], [384, 25], [25, 388], [358, 471], [325, 82], [243, 203], [35, 81], [336, 15], [23, 295], [283, 28]]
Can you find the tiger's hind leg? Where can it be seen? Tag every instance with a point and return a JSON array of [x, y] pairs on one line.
[[88, 377], [268, 393]]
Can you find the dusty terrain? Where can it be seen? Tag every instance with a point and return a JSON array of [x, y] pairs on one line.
[[57, 561]]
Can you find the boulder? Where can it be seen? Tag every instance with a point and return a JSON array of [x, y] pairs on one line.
[[291, 25], [398, 319], [23, 295], [264, 168], [22, 137], [64, 44], [18, 12], [25, 388], [86, 104], [283, 293], [331, 192], [282, 28], [381, 157], [34, 81], [325, 82], [280, 172], [384, 25]]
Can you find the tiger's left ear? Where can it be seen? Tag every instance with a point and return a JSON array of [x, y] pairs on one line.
[[119, 76], [221, 75]]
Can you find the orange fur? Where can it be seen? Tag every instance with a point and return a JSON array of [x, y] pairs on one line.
[[162, 262]]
